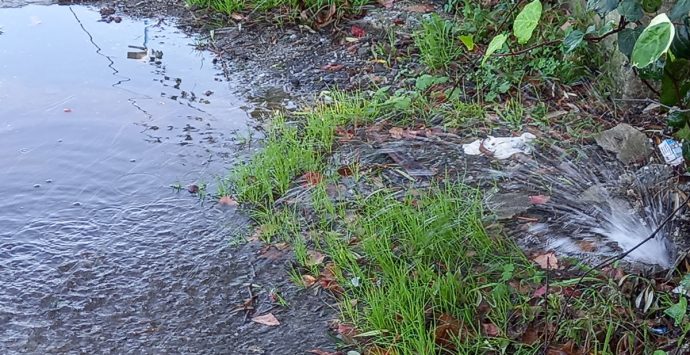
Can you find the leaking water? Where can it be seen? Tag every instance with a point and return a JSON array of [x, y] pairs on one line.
[[591, 206], [97, 253]]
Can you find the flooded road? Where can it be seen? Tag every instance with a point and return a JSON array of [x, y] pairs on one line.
[[97, 253]]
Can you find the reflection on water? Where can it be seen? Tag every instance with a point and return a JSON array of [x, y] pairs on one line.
[[97, 120]]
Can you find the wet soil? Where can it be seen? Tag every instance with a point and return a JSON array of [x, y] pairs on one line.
[[97, 252]]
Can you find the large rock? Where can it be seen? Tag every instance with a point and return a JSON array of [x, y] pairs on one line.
[[629, 144]]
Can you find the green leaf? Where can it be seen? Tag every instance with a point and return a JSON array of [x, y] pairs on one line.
[[526, 21], [602, 7], [676, 82], [572, 40], [627, 39], [677, 120], [659, 352], [426, 81], [495, 44], [678, 310], [681, 43], [631, 10], [651, 5], [468, 41], [685, 282], [654, 41], [680, 10]]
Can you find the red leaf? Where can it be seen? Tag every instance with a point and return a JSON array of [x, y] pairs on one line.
[[358, 31]]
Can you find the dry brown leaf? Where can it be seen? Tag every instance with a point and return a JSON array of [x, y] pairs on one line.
[[227, 201], [447, 329], [547, 261], [237, 17], [315, 258], [312, 178], [347, 332], [308, 280], [331, 67], [587, 246], [421, 8], [396, 132], [530, 336], [267, 319], [490, 329], [322, 352], [386, 3]]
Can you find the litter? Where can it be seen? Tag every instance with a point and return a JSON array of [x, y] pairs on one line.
[[672, 152], [500, 147]]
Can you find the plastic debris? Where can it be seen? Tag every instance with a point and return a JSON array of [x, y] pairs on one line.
[[500, 147], [672, 152]]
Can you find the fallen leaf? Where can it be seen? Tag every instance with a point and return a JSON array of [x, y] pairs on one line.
[[267, 319], [490, 329], [271, 253], [396, 132], [312, 178], [539, 292], [237, 17], [308, 280], [386, 3], [322, 352], [547, 261], [227, 201], [420, 8], [66, 110], [331, 67], [357, 31], [193, 189], [530, 336], [539, 199], [323, 17], [587, 246], [345, 170], [315, 258], [447, 329]]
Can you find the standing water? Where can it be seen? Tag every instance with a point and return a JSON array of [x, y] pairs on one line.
[[97, 252]]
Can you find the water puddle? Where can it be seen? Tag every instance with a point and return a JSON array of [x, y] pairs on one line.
[[97, 253]]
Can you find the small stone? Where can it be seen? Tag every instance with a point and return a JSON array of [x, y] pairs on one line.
[[76, 204], [37, 185], [507, 205], [629, 144], [132, 160], [49, 181]]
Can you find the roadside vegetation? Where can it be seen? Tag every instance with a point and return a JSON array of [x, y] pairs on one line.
[[416, 265]]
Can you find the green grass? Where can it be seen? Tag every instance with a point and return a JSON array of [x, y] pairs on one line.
[[320, 12], [437, 42], [420, 274]]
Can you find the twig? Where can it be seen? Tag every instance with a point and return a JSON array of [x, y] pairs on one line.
[[650, 101], [605, 263], [508, 16]]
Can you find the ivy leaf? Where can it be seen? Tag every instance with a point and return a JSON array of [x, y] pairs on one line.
[[681, 43], [676, 81], [602, 7], [495, 44], [651, 5], [631, 10], [678, 310], [573, 39], [680, 10], [654, 41], [683, 134], [627, 39], [426, 81], [526, 21]]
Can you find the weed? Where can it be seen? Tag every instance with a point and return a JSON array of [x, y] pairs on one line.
[[437, 42], [314, 10], [512, 113]]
